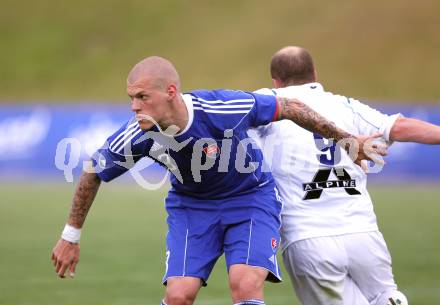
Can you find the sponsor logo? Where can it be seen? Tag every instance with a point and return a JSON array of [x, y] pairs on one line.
[[273, 259], [394, 302], [321, 182]]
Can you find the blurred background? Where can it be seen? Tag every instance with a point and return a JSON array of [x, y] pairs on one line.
[[63, 67]]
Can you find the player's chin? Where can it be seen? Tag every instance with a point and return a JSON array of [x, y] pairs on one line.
[[145, 124]]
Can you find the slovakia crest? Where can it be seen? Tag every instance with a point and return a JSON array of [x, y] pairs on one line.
[[274, 243], [211, 151]]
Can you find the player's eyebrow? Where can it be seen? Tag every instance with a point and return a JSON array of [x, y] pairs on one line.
[[137, 94]]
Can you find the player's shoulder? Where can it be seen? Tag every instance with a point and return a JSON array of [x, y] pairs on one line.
[[221, 109], [222, 95], [266, 91], [335, 102], [359, 107], [335, 98], [222, 101], [129, 139], [308, 90]]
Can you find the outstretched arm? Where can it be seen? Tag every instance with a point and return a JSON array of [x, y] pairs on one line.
[[306, 117], [413, 130], [85, 193], [65, 254]]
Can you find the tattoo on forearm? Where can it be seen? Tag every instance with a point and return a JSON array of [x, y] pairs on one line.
[[85, 193], [304, 116]]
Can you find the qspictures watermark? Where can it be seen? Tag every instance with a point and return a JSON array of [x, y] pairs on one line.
[[206, 153]]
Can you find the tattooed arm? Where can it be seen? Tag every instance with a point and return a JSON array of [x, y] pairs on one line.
[[65, 254], [307, 118], [85, 193]]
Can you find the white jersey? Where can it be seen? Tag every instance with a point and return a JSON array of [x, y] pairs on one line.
[[324, 193]]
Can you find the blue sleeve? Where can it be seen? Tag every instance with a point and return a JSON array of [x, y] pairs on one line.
[[265, 110], [120, 152], [229, 108]]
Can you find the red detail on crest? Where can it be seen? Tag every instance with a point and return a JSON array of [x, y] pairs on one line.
[[274, 243], [211, 151]]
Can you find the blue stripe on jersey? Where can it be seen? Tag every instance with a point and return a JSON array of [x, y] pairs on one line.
[[249, 106], [236, 101], [122, 133], [124, 137], [221, 111], [128, 140], [233, 106]]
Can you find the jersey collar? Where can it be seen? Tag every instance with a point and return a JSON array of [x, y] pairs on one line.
[[311, 86], [189, 107], [314, 86]]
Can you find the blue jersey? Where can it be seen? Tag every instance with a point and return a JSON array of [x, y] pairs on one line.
[[212, 158]]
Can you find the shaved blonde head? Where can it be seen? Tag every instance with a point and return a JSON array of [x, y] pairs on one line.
[[160, 70]]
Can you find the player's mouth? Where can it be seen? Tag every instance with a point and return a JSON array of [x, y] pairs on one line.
[[145, 121], [143, 117]]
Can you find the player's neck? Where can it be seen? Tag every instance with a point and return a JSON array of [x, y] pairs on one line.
[[177, 115]]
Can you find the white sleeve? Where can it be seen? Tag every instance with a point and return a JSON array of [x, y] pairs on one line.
[[369, 120]]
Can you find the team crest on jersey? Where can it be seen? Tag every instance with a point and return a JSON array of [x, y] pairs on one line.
[[211, 151], [274, 243]]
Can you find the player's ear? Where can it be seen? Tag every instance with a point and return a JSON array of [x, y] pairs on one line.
[[315, 75], [172, 91]]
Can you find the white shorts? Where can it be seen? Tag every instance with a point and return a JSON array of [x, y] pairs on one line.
[[352, 269]]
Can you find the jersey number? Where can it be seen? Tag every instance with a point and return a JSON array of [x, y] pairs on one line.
[[331, 155]]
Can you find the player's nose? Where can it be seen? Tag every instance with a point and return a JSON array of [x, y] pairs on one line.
[[135, 106]]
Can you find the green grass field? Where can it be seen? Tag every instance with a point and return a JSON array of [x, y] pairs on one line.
[[82, 50], [122, 256]]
